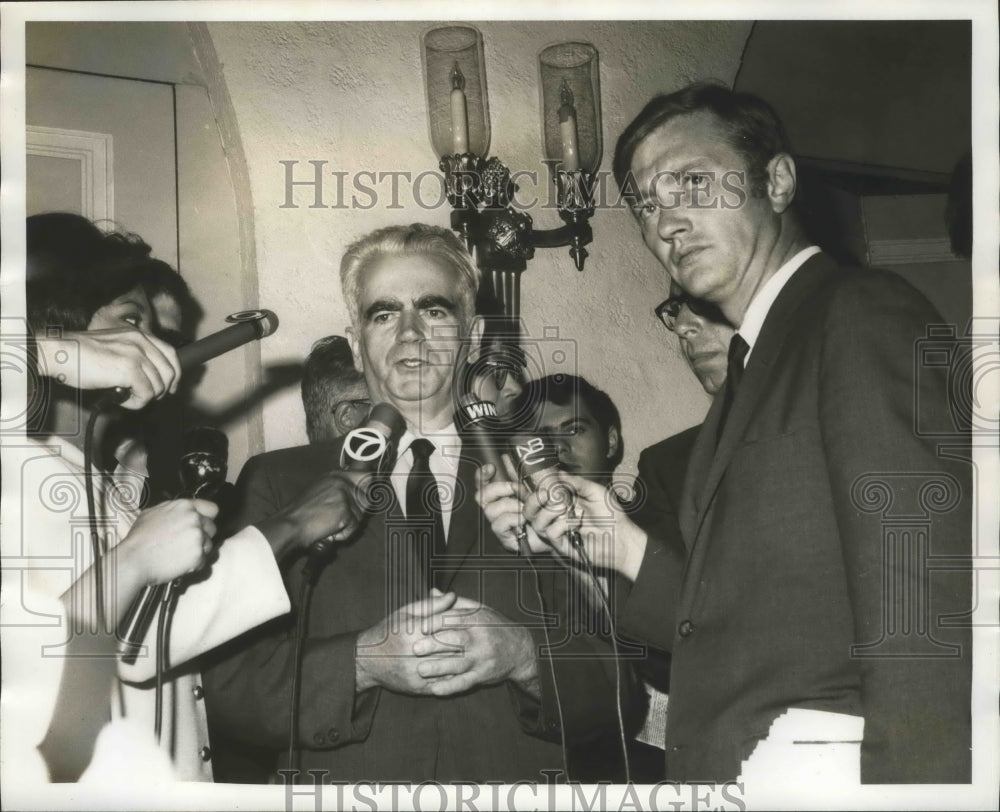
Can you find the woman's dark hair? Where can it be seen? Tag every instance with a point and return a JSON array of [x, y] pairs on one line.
[[752, 127], [160, 278], [74, 269]]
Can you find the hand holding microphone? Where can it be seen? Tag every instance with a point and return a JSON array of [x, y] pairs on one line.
[[333, 507], [141, 364], [152, 367]]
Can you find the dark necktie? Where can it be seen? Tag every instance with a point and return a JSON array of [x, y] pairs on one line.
[[738, 349], [423, 505]]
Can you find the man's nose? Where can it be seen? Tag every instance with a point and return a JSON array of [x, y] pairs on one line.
[[688, 324], [409, 327], [561, 443], [672, 222]]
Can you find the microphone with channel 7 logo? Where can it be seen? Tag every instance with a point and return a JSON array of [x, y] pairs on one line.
[[368, 450]]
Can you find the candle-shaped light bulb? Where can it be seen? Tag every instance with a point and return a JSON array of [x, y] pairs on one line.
[[567, 129], [459, 114]]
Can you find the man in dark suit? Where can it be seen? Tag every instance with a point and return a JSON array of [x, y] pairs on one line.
[[401, 681], [810, 638], [704, 336]]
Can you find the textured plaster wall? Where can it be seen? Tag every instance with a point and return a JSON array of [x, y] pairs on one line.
[[352, 94]]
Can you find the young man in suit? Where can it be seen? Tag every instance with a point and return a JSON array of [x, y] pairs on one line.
[[402, 681], [810, 640], [586, 430]]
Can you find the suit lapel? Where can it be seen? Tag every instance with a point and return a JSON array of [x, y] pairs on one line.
[[697, 472], [713, 460]]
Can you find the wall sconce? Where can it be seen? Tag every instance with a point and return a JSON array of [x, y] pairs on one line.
[[480, 190]]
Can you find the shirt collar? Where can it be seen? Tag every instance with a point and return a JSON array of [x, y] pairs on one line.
[[446, 441], [761, 304]]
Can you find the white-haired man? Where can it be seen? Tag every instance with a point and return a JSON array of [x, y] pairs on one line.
[[410, 674]]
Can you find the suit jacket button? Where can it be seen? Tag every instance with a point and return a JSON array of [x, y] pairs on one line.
[[319, 738], [198, 691], [333, 734], [205, 753], [552, 725], [686, 628]]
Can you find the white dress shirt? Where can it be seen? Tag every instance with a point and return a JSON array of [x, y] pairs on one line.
[[443, 464], [760, 305]]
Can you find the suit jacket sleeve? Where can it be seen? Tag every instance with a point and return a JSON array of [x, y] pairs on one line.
[[248, 683], [648, 611], [916, 682]]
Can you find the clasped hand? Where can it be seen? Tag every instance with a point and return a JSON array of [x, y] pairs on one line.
[[445, 645]]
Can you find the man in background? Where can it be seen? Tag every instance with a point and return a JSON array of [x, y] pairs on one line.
[[704, 336], [334, 394], [585, 426]]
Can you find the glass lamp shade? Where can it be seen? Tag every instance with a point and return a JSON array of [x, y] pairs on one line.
[[571, 105], [455, 75]]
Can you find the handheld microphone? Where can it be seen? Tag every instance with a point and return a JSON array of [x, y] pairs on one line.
[[477, 422], [368, 449], [248, 325], [203, 468], [537, 459]]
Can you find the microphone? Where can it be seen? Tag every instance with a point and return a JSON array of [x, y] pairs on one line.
[[248, 325], [537, 459], [368, 449], [203, 468], [478, 423]]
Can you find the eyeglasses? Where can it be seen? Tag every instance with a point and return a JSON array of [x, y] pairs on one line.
[[352, 412], [669, 309]]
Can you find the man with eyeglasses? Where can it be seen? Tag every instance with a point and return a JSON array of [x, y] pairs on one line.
[[704, 336], [334, 394]]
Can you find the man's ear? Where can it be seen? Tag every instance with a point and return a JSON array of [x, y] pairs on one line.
[[613, 440], [781, 182], [352, 339], [475, 338]]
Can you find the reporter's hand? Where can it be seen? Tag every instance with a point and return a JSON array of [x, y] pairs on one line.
[[169, 540], [384, 655], [504, 510], [101, 359], [571, 503], [329, 507], [471, 644]]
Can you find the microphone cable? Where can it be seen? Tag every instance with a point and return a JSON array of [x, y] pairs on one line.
[[576, 541], [525, 552]]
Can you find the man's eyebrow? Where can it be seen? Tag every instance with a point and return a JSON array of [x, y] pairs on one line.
[[568, 424], [380, 306], [434, 300]]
